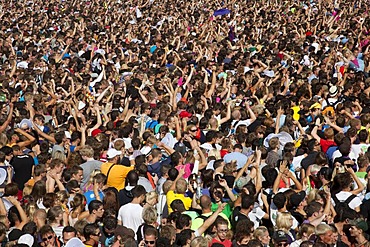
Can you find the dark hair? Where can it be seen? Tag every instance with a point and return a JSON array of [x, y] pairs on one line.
[[183, 221], [312, 208], [138, 191], [183, 237], [94, 205], [247, 201], [279, 200], [110, 223], [89, 230], [70, 229]]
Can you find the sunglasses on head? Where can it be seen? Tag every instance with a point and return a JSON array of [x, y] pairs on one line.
[[48, 238], [149, 242]]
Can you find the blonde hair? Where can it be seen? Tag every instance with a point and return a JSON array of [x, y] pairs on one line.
[[31, 209], [27, 190], [86, 151], [307, 229], [199, 242], [91, 179], [149, 215], [259, 232], [313, 196], [3, 140], [60, 155], [150, 197], [62, 196], [284, 221]]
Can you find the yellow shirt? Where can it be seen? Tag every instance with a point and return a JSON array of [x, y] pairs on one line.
[[117, 174], [171, 196]]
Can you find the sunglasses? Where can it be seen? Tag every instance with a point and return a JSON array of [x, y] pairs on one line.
[[48, 238], [149, 242], [193, 130], [96, 234], [283, 244]]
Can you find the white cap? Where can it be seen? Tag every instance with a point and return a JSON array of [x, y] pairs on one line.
[[26, 239], [113, 153], [75, 242]]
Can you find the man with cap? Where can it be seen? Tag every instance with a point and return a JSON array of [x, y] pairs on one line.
[[280, 239], [298, 202], [357, 231], [116, 173]]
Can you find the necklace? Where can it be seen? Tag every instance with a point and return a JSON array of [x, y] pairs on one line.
[[362, 243]]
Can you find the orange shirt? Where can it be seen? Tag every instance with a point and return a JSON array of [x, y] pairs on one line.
[[117, 174]]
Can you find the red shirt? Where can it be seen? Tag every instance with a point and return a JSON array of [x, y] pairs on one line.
[[325, 144], [226, 242]]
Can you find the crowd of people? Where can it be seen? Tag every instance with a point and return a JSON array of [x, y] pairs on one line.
[[184, 123]]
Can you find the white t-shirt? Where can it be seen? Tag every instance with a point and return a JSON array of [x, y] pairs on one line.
[[343, 195], [131, 216], [256, 215], [358, 148]]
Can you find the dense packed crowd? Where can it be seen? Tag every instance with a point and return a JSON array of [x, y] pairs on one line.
[[184, 123]]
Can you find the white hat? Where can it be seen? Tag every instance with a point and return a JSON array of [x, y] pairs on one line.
[[333, 91], [113, 153], [75, 242], [2, 175], [81, 105], [26, 239]]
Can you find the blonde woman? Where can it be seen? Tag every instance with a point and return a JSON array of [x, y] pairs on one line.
[[90, 184], [304, 233], [151, 198], [262, 234], [284, 222]]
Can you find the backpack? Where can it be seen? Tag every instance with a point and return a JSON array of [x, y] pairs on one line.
[[339, 206], [209, 229]]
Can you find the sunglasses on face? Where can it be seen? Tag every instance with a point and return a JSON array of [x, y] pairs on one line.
[[48, 238], [193, 130], [96, 234], [149, 242], [283, 244]]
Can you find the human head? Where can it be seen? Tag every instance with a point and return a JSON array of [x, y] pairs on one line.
[[314, 209], [92, 232], [68, 233], [262, 234], [150, 236], [169, 232], [47, 235], [96, 208], [324, 233], [284, 221], [221, 228]]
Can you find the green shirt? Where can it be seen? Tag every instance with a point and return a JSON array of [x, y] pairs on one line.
[[228, 211]]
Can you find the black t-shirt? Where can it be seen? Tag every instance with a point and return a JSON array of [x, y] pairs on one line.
[[237, 216], [22, 169]]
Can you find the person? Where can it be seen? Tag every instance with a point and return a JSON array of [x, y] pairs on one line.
[[92, 234], [324, 234], [261, 233], [150, 237], [130, 215], [48, 237], [357, 230], [96, 211], [116, 174], [280, 239], [125, 195], [69, 232], [87, 154], [23, 166], [177, 191], [107, 231], [221, 233]]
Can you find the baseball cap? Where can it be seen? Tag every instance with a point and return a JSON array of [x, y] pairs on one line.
[[279, 236], [26, 239], [113, 153], [297, 198], [359, 223]]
